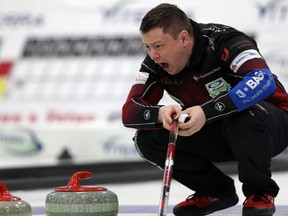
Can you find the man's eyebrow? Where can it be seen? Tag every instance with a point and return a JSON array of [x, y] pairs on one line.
[[154, 43]]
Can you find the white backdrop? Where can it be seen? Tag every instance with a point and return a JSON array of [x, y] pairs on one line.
[[66, 67]]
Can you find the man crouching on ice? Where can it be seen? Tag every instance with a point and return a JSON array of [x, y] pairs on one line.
[[238, 110]]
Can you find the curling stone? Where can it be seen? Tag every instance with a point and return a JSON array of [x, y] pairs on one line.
[[76, 200], [11, 205]]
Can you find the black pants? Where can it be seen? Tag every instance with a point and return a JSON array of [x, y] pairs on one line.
[[252, 138]]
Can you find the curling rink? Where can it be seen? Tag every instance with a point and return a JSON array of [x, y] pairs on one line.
[[142, 198]]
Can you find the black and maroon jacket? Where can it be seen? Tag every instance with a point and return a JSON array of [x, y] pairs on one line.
[[226, 74]]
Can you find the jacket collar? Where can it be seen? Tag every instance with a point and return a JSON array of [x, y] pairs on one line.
[[198, 50]]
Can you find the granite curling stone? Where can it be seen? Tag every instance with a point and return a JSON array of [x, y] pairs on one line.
[[12, 205], [76, 200]]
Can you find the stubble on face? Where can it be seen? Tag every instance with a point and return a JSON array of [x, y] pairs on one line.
[[166, 51]]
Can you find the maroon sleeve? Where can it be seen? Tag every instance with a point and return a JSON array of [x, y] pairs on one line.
[[140, 110]]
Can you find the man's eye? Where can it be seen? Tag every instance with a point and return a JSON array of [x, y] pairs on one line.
[[147, 48]]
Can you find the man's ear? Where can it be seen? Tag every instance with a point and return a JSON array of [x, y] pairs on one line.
[[184, 36]]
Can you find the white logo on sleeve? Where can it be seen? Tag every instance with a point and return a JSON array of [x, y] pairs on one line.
[[219, 106], [142, 77], [243, 57], [147, 115]]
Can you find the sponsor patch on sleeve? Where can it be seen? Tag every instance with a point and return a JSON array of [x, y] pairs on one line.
[[142, 77], [217, 86], [243, 57]]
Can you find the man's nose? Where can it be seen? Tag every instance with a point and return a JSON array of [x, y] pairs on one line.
[[154, 55]]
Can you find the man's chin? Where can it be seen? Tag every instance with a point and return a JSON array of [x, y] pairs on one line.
[[171, 72]]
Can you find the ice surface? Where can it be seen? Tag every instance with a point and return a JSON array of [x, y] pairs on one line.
[[142, 198]]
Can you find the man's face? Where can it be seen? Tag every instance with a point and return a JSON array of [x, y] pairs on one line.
[[171, 54]]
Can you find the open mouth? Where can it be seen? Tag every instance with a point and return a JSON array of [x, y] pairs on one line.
[[164, 65]]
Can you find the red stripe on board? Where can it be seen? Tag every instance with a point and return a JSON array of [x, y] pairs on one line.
[[5, 68]]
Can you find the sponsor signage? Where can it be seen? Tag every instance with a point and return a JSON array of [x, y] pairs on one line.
[[66, 68]]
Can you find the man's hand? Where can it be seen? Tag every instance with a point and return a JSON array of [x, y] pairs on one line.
[[196, 122], [166, 115]]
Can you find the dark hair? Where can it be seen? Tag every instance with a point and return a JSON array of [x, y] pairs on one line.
[[168, 17]]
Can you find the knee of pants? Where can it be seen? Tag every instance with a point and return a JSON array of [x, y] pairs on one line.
[[254, 117], [248, 135], [240, 124], [237, 120], [149, 147]]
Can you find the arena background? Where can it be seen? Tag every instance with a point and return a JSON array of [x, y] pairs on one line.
[[66, 67]]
